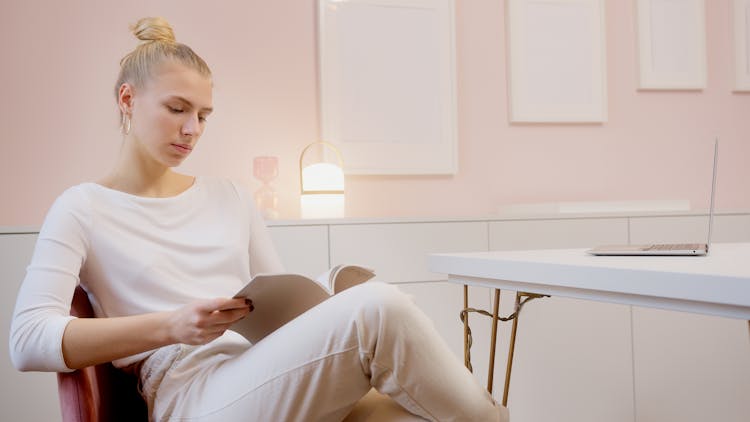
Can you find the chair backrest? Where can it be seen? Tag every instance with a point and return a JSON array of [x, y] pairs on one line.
[[98, 393]]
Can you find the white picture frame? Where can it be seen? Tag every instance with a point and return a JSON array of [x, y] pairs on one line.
[[557, 61], [741, 23], [387, 85], [671, 44]]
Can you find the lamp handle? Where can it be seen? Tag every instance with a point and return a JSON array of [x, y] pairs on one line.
[[329, 145]]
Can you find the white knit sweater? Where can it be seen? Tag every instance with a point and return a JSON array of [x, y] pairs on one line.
[[134, 255]]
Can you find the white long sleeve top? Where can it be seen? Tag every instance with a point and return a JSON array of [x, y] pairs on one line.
[[134, 255]]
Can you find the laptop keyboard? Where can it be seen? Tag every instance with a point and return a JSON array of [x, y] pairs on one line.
[[676, 247]]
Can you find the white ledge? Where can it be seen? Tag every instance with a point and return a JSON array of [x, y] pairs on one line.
[[7, 230]]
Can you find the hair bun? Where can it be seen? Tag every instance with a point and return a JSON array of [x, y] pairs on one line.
[[153, 29]]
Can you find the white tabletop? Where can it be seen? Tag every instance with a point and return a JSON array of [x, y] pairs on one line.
[[717, 284]]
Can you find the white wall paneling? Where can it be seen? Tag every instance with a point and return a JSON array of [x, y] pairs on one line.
[[30, 396], [731, 228], [690, 368], [672, 44], [303, 249], [575, 360], [678, 229], [398, 252], [554, 234], [689, 229]]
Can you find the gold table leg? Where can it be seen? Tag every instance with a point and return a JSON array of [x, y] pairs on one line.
[[511, 350], [493, 341], [467, 356], [521, 299]]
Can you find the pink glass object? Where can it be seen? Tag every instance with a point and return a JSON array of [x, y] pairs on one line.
[[266, 169]]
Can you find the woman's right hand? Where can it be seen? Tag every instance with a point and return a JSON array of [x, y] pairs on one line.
[[203, 321], [91, 341]]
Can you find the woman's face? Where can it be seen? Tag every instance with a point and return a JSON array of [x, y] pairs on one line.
[[168, 114]]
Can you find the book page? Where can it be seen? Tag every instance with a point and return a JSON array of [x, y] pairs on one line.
[[277, 298], [326, 279], [343, 277]]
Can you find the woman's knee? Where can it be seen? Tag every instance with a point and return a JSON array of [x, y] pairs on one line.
[[385, 299]]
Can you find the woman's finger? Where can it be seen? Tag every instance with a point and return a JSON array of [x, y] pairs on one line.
[[229, 316]]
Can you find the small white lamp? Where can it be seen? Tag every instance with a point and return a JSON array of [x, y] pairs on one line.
[[321, 172]]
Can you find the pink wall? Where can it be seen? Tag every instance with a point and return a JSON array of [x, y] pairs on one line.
[[59, 121]]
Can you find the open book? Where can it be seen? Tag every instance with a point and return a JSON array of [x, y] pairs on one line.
[[279, 298]]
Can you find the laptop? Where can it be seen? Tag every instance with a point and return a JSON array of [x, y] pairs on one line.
[[668, 248]]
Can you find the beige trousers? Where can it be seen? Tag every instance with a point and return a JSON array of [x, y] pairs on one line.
[[318, 366]]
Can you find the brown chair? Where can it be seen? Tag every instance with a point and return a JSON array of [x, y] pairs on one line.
[[98, 393], [103, 393]]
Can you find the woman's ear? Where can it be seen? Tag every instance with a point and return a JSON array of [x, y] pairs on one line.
[[125, 98]]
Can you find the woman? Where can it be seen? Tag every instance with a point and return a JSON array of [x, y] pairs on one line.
[[160, 255]]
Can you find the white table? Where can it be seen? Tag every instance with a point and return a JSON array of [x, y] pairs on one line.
[[716, 284]]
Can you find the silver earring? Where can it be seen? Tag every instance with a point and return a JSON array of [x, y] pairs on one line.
[[125, 125]]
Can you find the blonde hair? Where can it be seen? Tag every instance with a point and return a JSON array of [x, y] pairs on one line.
[[157, 46]]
